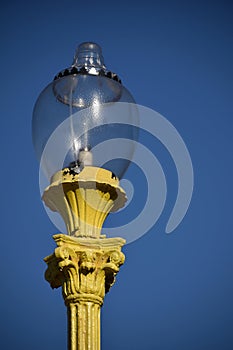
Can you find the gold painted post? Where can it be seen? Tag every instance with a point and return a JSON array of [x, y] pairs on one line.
[[84, 264]]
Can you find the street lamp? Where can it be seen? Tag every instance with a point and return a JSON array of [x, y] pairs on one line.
[[77, 106]]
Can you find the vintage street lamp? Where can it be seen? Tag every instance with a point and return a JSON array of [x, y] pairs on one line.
[[75, 110]]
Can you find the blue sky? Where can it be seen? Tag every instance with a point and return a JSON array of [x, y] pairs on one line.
[[174, 291]]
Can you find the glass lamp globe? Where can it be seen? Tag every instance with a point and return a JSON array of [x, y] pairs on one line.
[[77, 106]]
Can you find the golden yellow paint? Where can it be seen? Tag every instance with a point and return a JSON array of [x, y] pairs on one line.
[[85, 268], [84, 200], [84, 263]]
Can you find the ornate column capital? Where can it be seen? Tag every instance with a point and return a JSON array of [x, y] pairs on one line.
[[85, 268]]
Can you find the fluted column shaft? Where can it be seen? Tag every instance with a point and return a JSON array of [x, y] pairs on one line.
[[83, 325]]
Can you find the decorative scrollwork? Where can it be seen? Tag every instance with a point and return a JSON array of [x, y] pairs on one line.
[[84, 271]]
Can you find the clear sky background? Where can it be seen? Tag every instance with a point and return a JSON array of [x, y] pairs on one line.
[[174, 291]]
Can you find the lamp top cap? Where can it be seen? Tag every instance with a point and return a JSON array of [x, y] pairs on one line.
[[89, 54]]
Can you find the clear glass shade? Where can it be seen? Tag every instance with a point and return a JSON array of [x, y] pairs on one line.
[[78, 111]]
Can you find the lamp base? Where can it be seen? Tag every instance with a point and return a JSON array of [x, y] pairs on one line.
[[84, 200]]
